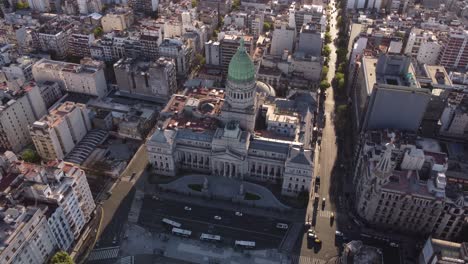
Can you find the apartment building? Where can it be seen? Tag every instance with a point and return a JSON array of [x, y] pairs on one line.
[[424, 46], [57, 133], [42, 6], [117, 19], [78, 78], [54, 184], [53, 36], [401, 185], [229, 44], [19, 70], [50, 92], [378, 85], [181, 54], [80, 40], [284, 37], [19, 108], [148, 78], [26, 237], [437, 251], [454, 54]]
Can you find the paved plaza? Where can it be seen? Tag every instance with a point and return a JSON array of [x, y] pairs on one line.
[[226, 188]]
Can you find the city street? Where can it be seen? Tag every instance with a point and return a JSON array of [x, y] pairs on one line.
[[115, 208], [200, 219], [326, 167]]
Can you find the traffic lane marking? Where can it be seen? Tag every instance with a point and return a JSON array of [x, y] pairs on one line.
[[221, 226]]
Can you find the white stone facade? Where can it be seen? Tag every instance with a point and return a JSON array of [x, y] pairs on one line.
[[402, 187], [17, 114], [229, 152], [26, 236], [56, 134], [72, 77]]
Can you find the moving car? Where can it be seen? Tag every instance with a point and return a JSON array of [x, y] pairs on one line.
[[238, 213], [186, 208], [323, 203], [217, 217], [281, 226]]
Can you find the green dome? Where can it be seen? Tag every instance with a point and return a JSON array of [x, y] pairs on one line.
[[241, 67]]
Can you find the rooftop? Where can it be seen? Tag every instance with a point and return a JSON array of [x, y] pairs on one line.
[[203, 102]]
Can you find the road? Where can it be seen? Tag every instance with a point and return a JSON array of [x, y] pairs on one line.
[[117, 206], [325, 167], [200, 219]]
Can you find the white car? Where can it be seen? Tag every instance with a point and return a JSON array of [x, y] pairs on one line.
[[238, 213], [186, 208], [281, 226], [217, 217]]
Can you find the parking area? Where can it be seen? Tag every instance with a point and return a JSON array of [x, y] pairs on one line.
[[225, 223]]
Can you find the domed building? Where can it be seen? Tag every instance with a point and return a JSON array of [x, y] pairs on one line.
[[241, 102], [211, 131]]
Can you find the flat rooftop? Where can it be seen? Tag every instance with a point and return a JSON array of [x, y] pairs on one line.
[[206, 102]]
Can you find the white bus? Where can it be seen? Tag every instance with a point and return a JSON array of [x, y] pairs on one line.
[[171, 223], [245, 244], [208, 237], [181, 232]]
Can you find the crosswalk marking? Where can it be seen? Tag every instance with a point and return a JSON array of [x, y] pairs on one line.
[[295, 259], [325, 213], [127, 260], [104, 253]]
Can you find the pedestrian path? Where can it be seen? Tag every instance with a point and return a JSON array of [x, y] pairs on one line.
[[325, 213], [295, 259], [104, 253]]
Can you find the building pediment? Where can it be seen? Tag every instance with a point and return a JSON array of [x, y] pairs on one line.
[[228, 155]]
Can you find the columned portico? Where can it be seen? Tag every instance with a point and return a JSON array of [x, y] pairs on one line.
[[227, 169]]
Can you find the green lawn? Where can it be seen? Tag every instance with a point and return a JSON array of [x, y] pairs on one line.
[[195, 187], [251, 196]]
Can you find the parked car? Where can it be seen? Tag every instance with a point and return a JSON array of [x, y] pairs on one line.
[[217, 217], [238, 213], [311, 234], [186, 208]]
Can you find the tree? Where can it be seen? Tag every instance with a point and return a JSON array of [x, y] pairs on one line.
[[341, 84], [235, 5], [339, 21], [30, 155], [98, 32], [324, 84], [326, 51], [341, 54], [22, 5], [215, 34], [61, 257], [194, 3], [341, 67], [339, 75], [266, 26], [328, 38], [199, 61], [324, 72]]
